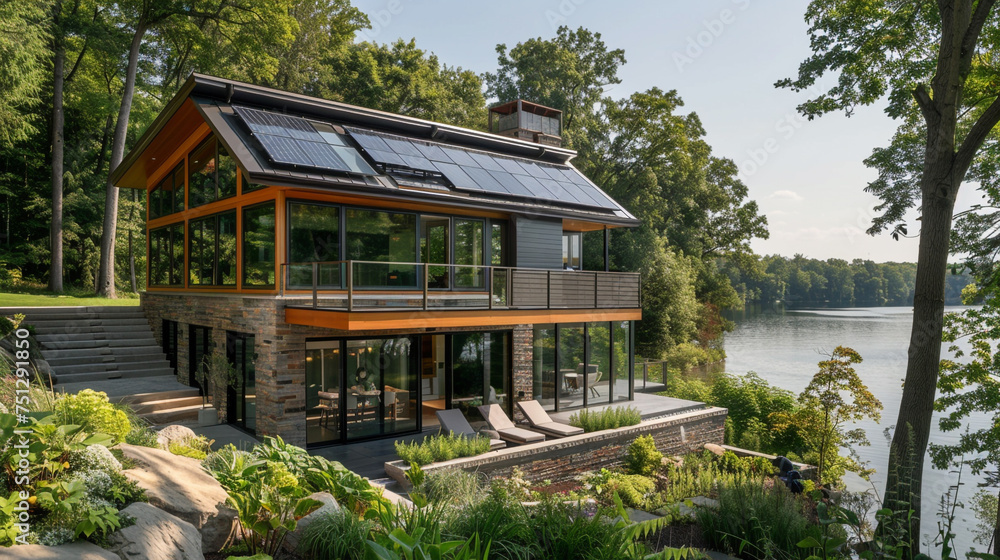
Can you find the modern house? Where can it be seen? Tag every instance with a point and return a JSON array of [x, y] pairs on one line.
[[363, 269]]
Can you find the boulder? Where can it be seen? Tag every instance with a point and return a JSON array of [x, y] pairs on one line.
[[80, 550], [330, 505], [179, 486], [155, 535], [172, 433]]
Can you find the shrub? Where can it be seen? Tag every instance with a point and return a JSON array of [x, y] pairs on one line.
[[95, 457], [631, 488], [336, 535], [452, 486], [758, 520], [606, 419], [642, 456], [195, 448], [143, 436], [441, 448], [499, 519], [92, 410]]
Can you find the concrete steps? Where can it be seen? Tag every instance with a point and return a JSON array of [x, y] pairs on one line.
[[111, 349]]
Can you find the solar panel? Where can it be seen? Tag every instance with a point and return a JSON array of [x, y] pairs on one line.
[[262, 122], [322, 156], [282, 149], [473, 170]]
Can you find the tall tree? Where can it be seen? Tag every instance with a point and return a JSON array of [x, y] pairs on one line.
[[935, 63], [23, 48]]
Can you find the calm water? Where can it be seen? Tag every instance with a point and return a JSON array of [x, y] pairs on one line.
[[784, 347]]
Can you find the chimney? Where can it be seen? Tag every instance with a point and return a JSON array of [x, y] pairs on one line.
[[527, 121]]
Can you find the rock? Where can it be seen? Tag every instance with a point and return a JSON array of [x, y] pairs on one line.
[[172, 433], [329, 506], [717, 449], [179, 486], [80, 550], [156, 535]]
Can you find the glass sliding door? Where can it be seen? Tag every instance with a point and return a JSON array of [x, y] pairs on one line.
[[389, 237], [543, 383], [572, 366], [599, 364], [374, 368], [313, 236], [470, 251], [435, 247], [323, 395], [498, 370], [468, 367], [400, 386], [200, 340], [623, 360]]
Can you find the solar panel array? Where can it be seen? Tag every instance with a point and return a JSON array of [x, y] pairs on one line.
[[471, 170], [295, 141]]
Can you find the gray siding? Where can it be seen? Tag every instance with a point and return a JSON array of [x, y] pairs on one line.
[[538, 242]]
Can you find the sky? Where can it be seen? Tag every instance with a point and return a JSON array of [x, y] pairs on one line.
[[723, 57]]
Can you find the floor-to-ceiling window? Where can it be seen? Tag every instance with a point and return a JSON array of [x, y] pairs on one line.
[[435, 247], [382, 237], [242, 392], [313, 236], [356, 389], [584, 364], [469, 250]]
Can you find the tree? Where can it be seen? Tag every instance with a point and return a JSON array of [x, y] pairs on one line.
[[971, 387], [934, 63], [23, 45], [838, 393]]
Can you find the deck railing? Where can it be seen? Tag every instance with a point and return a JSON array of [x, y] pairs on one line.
[[376, 286]]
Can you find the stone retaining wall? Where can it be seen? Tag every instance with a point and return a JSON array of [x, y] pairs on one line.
[[561, 460]]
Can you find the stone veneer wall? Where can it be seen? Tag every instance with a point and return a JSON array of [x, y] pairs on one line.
[[280, 349]]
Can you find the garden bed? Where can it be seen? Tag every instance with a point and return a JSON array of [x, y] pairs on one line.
[[560, 460]]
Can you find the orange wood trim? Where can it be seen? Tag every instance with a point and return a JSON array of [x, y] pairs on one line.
[[416, 292], [375, 202], [393, 320], [181, 152]]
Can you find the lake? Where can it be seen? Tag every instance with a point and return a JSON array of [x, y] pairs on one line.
[[784, 346]]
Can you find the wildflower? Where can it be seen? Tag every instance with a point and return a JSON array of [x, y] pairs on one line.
[[65, 465], [32, 499]]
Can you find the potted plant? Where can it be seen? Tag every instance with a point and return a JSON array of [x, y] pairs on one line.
[[214, 375]]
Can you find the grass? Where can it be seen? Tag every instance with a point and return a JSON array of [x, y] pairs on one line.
[[70, 298], [606, 419]]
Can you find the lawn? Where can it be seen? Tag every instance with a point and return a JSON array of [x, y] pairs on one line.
[[49, 299]]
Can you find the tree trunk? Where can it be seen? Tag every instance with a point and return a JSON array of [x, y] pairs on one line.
[[106, 273], [996, 531], [909, 442], [55, 233], [131, 253]]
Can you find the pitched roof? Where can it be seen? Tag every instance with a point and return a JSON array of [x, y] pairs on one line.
[[282, 138]]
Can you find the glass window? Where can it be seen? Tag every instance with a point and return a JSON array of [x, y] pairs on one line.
[[178, 174], [258, 246], [177, 255], [498, 370], [381, 388], [623, 359], [201, 264], [166, 256], [599, 364], [469, 250], [382, 237], [498, 243], [227, 173], [571, 244], [314, 236], [202, 173], [241, 394], [468, 359], [543, 386], [572, 366], [212, 249], [168, 196]]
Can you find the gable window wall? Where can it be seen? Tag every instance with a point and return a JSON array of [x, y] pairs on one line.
[[258, 246], [212, 250], [167, 197], [166, 255], [211, 173]]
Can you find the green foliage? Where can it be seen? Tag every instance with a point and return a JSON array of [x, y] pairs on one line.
[[757, 521], [452, 486], [633, 489], [339, 535], [214, 375], [642, 457], [142, 436], [186, 450], [93, 412], [443, 447], [606, 418], [23, 49]]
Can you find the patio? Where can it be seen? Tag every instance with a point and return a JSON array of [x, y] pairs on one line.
[[368, 458]]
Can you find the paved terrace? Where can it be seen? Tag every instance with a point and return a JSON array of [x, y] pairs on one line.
[[369, 458]]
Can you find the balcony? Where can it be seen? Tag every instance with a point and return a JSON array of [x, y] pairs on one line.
[[357, 295]]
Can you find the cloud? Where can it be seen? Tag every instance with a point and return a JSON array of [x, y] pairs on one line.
[[776, 213], [786, 195]]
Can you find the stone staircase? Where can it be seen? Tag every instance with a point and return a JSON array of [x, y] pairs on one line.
[[110, 349]]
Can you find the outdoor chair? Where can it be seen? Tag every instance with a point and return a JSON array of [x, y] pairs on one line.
[[497, 420], [454, 421], [540, 421]]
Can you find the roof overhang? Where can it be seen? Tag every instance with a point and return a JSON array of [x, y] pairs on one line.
[[390, 320]]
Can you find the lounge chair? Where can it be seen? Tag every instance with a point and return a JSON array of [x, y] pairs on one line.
[[497, 420], [540, 421], [454, 421]]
